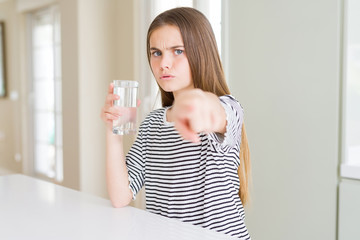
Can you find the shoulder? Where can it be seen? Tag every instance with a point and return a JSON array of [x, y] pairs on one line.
[[232, 102]]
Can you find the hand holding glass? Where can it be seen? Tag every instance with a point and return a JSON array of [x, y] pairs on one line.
[[127, 92]]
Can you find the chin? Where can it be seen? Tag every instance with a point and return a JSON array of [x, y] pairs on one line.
[[167, 89]]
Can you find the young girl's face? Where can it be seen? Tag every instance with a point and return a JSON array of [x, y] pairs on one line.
[[168, 60]]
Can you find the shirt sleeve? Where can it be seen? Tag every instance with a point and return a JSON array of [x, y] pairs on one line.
[[234, 120], [135, 165]]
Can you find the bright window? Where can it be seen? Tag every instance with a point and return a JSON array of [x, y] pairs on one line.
[[351, 87], [46, 111]]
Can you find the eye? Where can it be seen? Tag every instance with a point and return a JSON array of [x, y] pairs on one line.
[[178, 51], [156, 53]]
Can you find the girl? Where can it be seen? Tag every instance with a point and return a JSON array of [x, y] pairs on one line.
[[187, 154]]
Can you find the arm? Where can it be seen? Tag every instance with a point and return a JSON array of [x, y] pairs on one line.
[[117, 179], [116, 170], [197, 111]]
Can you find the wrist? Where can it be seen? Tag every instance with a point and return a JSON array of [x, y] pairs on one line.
[[111, 135]]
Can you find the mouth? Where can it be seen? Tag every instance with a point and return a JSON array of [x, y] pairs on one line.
[[166, 76]]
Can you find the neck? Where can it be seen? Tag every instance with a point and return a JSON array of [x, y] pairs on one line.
[[176, 93]]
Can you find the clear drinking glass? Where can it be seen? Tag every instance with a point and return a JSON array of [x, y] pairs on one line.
[[127, 91]]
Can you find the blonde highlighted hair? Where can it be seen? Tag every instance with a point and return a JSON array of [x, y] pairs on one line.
[[206, 69]]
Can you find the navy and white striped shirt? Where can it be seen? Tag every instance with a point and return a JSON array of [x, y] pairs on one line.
[[196, 183]]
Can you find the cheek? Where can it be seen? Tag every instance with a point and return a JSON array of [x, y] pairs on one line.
[[184, 65], [186, 68], [153, 65]]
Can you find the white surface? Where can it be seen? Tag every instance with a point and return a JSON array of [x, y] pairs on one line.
[[35, 209], [350, 171]]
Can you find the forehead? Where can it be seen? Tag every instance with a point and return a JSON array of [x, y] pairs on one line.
[[166, 36]]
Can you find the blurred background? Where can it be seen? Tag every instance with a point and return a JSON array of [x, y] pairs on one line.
[[293, 65]]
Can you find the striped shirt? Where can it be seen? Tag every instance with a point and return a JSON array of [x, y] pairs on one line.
[[192, 182]]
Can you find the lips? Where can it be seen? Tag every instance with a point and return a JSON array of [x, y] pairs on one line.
[[166, 76]]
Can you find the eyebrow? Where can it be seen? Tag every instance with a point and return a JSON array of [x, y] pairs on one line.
[[173, 47]]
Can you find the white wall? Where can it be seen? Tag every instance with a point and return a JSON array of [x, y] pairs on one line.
[[10, 132], [70, 92], [349, 210], [284, 69], [97, 47], [105, 53]]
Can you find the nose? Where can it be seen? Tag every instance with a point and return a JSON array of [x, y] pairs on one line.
[[166, 62]]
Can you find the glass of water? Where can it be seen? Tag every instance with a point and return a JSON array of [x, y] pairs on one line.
[[127, 91]]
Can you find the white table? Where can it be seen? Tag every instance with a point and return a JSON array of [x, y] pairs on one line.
[[36, 209]]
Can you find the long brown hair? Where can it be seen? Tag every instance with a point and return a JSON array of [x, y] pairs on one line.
[[205, 66]]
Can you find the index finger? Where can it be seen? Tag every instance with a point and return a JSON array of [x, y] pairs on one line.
[[111, 88], [184, 129]]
